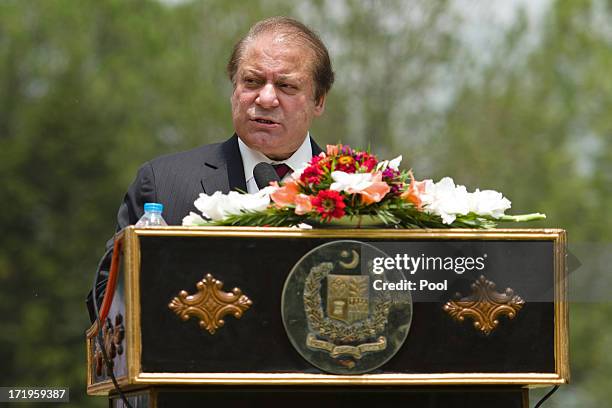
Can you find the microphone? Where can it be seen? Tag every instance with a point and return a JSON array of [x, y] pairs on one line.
[[264, 173]]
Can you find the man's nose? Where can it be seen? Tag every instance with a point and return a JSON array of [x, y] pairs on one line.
[[267, 97]]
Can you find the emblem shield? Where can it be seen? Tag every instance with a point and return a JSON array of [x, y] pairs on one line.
[[348, 297]]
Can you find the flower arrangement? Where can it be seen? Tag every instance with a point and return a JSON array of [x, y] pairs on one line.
[[347, 184]]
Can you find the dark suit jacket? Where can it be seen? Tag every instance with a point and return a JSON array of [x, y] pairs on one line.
[[176, 180]]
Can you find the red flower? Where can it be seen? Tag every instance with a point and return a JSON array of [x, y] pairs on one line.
[[311, 174], [324, 163], [329, 204], [369, 162]]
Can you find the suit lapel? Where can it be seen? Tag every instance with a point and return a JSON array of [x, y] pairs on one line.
[[223, 171], [214, 178], [315, 147], [235, 169]]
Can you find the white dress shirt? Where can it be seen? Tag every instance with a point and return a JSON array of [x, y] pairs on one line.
[[250, 158]]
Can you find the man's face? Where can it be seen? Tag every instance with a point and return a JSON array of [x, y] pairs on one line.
[[273, 100]]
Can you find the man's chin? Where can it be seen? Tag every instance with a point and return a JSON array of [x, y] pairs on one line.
[[274, 152], [263, 142], [273, 145]]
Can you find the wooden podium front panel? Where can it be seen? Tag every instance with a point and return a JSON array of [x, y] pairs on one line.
[[259, 265]]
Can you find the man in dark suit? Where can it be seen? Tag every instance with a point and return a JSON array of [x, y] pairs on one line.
[[281, 73]]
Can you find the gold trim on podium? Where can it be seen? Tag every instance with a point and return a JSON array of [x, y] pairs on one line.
[[364, 379], [132, 279], [561, 308], [137, 378]]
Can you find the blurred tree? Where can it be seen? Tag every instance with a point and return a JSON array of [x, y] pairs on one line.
[[533, 123], [390, 59]]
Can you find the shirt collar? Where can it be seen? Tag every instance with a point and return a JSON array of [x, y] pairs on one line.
[[251, 157]]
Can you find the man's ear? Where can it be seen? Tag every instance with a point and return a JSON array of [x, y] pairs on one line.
[[320, 106]]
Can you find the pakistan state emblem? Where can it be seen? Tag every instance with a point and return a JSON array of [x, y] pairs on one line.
[[341, 324]]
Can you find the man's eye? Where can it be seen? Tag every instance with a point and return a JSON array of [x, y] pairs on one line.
[[250, 81]]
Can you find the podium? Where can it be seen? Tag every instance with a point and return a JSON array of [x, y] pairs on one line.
[[199, 314]]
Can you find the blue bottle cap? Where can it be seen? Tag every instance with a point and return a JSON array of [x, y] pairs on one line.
[[153, 207]]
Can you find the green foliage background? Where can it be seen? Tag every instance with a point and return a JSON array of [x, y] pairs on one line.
[[91, 89]]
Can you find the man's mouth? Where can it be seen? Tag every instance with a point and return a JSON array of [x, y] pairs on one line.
[[264, 121]]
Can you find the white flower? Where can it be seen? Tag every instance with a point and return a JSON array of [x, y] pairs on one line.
[[448, 201], [215, 206], [266, 191], [489, 202], [251, 202], [193, 219], [445, 199], [219, 205], [394, 164], [350, 182]]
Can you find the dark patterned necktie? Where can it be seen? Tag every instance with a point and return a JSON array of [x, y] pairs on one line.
[[282, 169]]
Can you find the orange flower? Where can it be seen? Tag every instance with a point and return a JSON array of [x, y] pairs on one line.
[[303, 204], [415, 189], [332, 150], [376, 191], [285, 195], [346, 164]]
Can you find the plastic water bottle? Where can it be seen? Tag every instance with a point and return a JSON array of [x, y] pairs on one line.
[[152, 216]]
